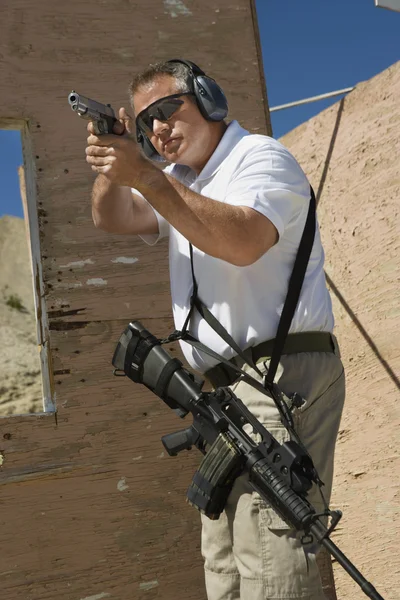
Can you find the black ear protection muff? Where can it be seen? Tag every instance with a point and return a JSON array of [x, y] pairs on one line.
[[209, 96], [210, 99]]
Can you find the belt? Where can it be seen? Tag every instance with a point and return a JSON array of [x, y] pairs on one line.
[[307, 341]]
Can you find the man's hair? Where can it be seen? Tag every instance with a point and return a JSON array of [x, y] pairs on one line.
[[179, 71]]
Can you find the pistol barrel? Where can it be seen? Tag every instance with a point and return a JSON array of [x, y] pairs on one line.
[[89, 109]]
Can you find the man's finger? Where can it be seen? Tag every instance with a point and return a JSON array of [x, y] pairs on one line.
[[99, 150], [103, 170], [90, 127], [106, 139], [119, 127], [99, 161], [97, 169]]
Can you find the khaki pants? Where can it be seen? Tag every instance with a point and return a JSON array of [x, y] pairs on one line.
[[250, 553]]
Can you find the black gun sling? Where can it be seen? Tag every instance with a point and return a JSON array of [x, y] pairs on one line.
[[284, 343]]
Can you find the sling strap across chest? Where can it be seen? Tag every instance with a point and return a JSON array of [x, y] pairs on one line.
[[283, 343]]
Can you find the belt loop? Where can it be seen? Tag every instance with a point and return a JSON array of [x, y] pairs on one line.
[[335, 345]]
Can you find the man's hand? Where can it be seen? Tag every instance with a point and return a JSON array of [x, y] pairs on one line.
[[118, 157]]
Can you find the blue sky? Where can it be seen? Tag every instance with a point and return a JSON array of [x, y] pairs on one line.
[[310, 47]]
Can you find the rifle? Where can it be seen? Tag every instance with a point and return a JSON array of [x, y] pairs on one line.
[[281, 473]]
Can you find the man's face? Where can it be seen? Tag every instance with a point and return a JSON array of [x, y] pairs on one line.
[[185, 137]]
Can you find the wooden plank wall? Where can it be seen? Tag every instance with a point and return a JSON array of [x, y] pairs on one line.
[[90, 505]]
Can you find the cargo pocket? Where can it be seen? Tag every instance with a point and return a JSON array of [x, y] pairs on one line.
[[284, 562], [285, 568], [335, 389]]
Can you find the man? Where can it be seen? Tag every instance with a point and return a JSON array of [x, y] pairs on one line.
[[241, 200]]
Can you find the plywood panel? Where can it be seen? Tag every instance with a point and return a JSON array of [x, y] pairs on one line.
[[94, 487], [91, 508]]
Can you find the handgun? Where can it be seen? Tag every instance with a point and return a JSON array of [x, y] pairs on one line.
[[102, 115]]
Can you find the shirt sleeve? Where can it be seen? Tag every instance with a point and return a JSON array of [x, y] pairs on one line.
[[270, 181], [163, 227]]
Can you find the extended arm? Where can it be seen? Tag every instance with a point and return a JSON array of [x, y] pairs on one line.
[[116, 209], [236, 234]]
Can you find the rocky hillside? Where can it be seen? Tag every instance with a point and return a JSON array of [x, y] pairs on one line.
[[20, 381]]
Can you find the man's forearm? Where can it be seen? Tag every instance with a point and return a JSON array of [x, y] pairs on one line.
[[215, 228], [111, 204]]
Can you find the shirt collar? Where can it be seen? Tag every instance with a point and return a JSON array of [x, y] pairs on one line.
[[233, 134]]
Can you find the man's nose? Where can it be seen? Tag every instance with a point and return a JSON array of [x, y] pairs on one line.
[[159, 126]]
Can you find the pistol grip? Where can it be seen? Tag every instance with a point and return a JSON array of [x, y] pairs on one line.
[[104, 125]]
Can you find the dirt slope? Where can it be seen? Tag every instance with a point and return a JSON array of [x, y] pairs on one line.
[[20, 382], [350, 153]]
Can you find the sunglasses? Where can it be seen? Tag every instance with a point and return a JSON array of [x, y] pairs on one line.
[[161, 109]]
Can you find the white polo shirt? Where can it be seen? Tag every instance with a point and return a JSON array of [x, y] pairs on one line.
[[255, 171]]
